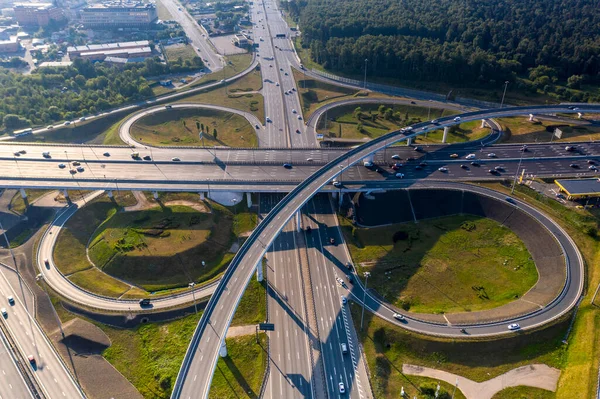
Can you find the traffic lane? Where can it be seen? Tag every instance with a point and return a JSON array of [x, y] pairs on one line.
[[291, 369], [12, 384], [329, 309], [48, 370], [354, 374]]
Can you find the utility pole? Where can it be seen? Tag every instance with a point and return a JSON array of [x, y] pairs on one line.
[[365, 81], [504, 94], [362, 316]]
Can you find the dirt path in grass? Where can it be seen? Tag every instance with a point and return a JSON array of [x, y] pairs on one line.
[[144, 203], [533, 375]]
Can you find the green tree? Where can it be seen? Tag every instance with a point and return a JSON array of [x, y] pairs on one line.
[[12, 121], [198, 125], [202, 126], [357, 113], [215, 133], [388, 114], [575, 81]]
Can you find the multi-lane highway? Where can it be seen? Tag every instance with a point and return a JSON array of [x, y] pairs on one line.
[[12, 384], [202, 355], [49, 370]]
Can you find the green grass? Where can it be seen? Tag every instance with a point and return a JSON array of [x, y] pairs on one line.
[[524, 393], [178, 127], [150, 355], [240, 374], [98, 131], [388, 347], [17, 204], [98, 282], [434, 268], [176, 51], [521, 130], [347, 123], [236, 63], [235, 95], [252, 308], [162, 248], [579, 373]]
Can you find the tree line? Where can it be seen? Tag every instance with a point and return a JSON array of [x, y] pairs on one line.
[[49, 95], [462, 42]]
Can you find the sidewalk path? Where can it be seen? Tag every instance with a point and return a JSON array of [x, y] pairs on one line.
[[533, 375], [238, 331]]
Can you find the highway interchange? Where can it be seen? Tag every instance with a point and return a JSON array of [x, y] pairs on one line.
[[261, 170]]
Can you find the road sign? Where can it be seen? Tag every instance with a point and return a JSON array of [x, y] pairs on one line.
[[266, 326]]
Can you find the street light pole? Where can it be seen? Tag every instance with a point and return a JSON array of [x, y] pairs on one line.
[[191, 285], [365, 81], [503, 94], [40, 277], [512, 190], [362, 316]]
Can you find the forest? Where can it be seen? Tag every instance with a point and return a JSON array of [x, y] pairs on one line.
[[49, 95], [545, 42]]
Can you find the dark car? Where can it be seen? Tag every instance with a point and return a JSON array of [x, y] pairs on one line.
[[147, 158], [574, 166], [256, 126], [412, 102], [332, 240], [474, 163], [350, 278], [418, 167], [464, 166], [309, 229], [287, 165], [493, 172], [144, 302]]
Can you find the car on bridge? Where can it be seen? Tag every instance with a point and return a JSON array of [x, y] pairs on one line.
[[398, 316], [514, 326], [453, 155], [4, 312], [400, 175], [443, 169], [342, 388], [470, 156], [287, 165], [396, 156]]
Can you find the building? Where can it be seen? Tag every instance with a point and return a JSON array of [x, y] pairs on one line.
[[119, 15], [9, 46], [78, 50], [579, 188], [239, 40], [100, 55], [36, 14]]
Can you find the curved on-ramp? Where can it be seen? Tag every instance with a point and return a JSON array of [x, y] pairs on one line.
[[201, 358], [125, 128]]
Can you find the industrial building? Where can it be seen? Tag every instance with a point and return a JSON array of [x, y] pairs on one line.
[[36, 14], [240, 40], [119, 15], [99, 52], [9, 46]]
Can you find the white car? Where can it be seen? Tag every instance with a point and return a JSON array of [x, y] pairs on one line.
[[309, 159], [400, 175], [342, 388], [344, 300], [49, 127], [11, 300], [470, 156], [269, 119], [396, 156], [443, 169], [4, 312], [434, 121], [398, 316], [277, 84], [337, 183], [514, 326], [367, 164], [67, 123], [457, 119], [491, 155]]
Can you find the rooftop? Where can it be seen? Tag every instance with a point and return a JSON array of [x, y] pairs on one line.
[[38, 6], [108, 46], [118, 5], [60, 64], [580, 186]]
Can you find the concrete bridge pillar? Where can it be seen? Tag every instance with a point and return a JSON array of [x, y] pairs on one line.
[[530, 117], [341, 199], [249, 200], [23, 193], [223, 349], [334, 194], [445, 136], [298, 225], [155, 195], [259, 271], [483, 124], [409, 141], [66, 194], [109, 193], [201, 196], [579, 115]]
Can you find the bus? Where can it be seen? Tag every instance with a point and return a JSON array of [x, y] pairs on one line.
[[23, 132], [280, 35]]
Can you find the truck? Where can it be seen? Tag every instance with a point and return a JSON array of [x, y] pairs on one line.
[[23, 132], [135, 155], [280, 35]]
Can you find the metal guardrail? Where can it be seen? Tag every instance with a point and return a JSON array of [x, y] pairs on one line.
[[22, 364]]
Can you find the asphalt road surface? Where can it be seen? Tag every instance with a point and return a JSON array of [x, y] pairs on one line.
[[202, 355], [12, 384]]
